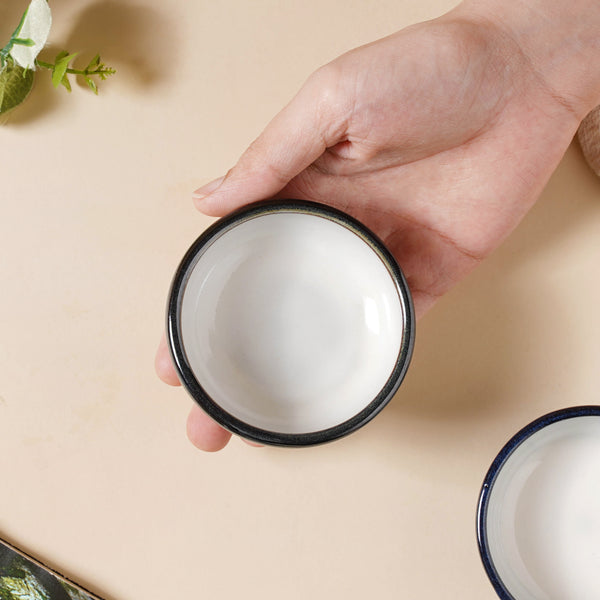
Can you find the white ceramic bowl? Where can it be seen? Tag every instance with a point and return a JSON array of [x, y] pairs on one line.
[[290, 323], [539, 510]]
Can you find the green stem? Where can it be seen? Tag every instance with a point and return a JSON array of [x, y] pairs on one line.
[[84, 72]]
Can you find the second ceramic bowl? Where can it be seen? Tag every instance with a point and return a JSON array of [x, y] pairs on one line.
[[538, 521]]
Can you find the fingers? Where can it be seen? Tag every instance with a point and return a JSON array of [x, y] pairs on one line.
[[253, 444], [163, 365], [292, 141], [204, 433]]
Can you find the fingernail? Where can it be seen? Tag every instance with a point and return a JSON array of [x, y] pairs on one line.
[[207, 189]]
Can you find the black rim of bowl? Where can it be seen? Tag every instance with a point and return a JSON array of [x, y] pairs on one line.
[[195, 389], [492, 474]]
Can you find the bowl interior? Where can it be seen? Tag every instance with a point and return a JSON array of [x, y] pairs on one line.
[[543, 514], [291, 322]]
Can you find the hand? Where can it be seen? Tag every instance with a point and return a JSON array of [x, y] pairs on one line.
[[439, 138]]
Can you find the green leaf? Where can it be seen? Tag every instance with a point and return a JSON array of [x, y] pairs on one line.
[[15, 85], [60, 68], [91, 85], [66, 83], [23, 42], [17, 31], [93, 63]]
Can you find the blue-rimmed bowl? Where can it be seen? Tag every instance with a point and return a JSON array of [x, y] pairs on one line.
[[290, 323], [538, 519]]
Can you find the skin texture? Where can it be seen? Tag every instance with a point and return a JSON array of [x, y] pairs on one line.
[[439, 138]]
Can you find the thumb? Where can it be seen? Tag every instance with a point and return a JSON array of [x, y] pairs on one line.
[[292, 141]]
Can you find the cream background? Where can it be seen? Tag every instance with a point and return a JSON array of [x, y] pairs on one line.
[[98, 478]]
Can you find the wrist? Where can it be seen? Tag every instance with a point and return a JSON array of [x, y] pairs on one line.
[[559, 40]]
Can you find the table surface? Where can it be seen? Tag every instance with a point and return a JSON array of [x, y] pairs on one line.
[[98, 478]]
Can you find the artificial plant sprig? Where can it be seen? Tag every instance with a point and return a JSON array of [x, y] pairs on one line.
[[19, 59], [60, 69]]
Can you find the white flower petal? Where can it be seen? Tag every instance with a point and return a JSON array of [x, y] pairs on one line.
[[36, 27]]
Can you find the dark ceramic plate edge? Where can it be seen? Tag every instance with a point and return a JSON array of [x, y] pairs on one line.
[[488, 483], [227, 420]]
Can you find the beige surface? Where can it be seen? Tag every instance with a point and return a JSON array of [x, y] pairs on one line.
[[97, 475]]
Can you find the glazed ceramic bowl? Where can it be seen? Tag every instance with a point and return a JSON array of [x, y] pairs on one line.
[[290, 323], [539, 510]]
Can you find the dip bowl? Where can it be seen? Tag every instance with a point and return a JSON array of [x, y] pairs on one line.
[[290, 323], [538, 520]]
